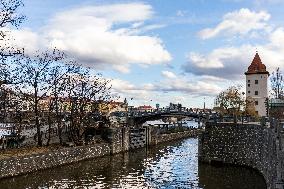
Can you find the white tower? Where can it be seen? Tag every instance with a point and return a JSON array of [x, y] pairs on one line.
[[256, 84]]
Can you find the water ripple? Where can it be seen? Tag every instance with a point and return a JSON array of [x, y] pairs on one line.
[[169, 166]]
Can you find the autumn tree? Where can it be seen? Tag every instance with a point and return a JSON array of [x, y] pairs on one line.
[[231, 101], [277, 84], [250, 107]]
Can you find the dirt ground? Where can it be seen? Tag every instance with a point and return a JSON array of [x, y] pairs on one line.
[[8, 153]]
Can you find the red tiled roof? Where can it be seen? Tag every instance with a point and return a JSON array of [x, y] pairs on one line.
[[145, 107], [256, 67]]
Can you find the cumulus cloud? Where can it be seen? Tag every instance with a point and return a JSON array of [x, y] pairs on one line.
[[28, 40], [227, 62], [104, 36], [231, 62], [240, 22], [178, 85], [189, 87], [168, 74]]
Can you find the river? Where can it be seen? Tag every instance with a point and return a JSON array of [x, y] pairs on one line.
[[171, 165]]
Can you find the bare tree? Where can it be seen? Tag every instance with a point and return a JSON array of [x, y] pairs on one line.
[[8, 17], [59, 81], [36, 80], [85, 91], [277, 84], [8, 13]]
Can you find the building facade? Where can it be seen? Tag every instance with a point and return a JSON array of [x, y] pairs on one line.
[[256, 84]]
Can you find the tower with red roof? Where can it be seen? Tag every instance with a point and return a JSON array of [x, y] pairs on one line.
[[256, 84]]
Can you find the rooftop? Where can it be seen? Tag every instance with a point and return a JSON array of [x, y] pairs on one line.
[[256, 66]]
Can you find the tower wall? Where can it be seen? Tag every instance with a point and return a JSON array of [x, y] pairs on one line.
[[260, 87]]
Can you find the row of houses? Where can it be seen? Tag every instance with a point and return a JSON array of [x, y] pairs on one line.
[[14, 102], [10, 101]]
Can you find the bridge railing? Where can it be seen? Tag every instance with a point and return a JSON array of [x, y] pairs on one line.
[[159, 112]]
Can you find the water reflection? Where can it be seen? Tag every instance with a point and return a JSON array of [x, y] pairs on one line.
[[229, 177], [172, 165]]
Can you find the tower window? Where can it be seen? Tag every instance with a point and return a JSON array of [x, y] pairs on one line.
[[256, 102], [256, 82], [256, 92], [248, 85], [249, 92], [248, 81]]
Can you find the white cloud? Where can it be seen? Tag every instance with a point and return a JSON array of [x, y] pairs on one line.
[[277, 38], [103, 37], [259, 2], [113, 13], [226, 62], [168, 74], [181, 13], [174, 85], [189, 87], [231, 62], [239, 22], [201, 61]]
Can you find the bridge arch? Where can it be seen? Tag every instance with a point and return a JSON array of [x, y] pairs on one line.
[[142, 117]]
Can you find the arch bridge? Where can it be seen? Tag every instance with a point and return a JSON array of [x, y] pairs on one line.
[[138, 118]]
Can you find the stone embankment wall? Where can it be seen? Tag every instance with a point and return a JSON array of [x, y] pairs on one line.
[[156, 139], [280, 157], [20, 165], [148, 136], [119, 141], [252, 145], [138, 138]]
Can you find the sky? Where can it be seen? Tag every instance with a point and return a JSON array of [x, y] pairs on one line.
[[160, 51]]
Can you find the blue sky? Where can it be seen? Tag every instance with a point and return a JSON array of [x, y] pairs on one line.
[[160, 51]]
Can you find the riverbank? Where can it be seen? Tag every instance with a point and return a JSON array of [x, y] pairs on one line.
[[24, 164], [25, 151], [166, 165]]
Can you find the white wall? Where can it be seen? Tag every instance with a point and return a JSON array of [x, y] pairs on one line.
[[261, 87]]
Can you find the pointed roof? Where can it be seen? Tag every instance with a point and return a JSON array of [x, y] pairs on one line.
[[256, 66]]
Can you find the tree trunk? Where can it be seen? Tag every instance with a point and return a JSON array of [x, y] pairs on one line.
[[58, 116], [39, 137], [37, 124], [49, 130]]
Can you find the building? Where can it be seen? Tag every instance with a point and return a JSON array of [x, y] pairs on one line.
[[145, 108], [176, 107], [256, 84], [276, 108], [118, 119]]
